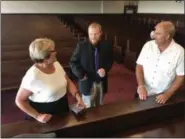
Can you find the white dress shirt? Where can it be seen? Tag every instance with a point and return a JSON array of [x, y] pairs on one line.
[[160, 69]]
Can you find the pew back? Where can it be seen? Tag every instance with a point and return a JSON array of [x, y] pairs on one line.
[[18, 31]]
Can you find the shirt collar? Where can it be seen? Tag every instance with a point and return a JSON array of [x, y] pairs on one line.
[[169, 48]]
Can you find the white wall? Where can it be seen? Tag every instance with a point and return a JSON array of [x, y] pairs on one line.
[[161, 7], [101, 6], [50, 6], [113, 6]]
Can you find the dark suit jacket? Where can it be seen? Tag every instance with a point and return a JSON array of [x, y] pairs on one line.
[[82, 63]]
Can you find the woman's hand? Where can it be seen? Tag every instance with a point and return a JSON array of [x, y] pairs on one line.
[[80, 102], [43, 118]]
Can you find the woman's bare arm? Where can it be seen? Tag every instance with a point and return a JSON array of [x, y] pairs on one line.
[[22, 102]]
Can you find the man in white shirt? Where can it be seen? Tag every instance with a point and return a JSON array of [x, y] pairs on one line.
[[160, 65]]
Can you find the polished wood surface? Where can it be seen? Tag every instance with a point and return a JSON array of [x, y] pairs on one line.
[[112, 118], [173, 128], [22, 28]]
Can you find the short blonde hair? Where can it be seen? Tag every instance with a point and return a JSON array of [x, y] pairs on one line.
[[95, 25], [39, 49], [168, 27]]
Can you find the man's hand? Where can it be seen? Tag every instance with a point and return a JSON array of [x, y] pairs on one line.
[[101, 72], [142, 92], [162, 98], [85, 77]]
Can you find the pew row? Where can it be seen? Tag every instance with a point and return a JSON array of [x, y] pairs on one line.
[[104, 121], [22, 29], [173, 128], [18, 31], [135, 28]]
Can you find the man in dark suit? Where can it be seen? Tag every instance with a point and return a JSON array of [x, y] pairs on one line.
[[91, 62]]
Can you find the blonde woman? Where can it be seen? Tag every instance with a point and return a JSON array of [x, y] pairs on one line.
[[43, 89]]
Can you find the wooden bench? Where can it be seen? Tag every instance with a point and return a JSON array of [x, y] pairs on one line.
[[104, 121], [17, 33], [170, 128]]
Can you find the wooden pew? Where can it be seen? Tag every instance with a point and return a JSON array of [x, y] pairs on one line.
[[21, 62], [17, 33], [22, 29], [132, 26], [104, 121], [135, 28], [153, 19], [173, 128]]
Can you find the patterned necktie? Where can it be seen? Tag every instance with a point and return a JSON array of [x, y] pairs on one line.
[[96, 56]]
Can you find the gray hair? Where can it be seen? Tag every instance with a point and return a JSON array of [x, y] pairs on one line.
[[39, 49]]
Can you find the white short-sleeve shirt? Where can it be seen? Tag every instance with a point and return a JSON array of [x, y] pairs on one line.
[[160, 69], [45, 87]]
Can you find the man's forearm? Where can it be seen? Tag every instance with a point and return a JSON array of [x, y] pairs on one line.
[[139, 75], [175, 85]]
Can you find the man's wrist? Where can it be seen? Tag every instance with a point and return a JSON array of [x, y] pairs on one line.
[[83, 77], [139, 87], [169, 93]]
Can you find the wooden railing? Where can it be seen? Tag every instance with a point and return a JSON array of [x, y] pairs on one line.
[[104, 121]]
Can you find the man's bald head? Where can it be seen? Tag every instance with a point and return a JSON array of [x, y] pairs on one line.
[[168, 28]]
